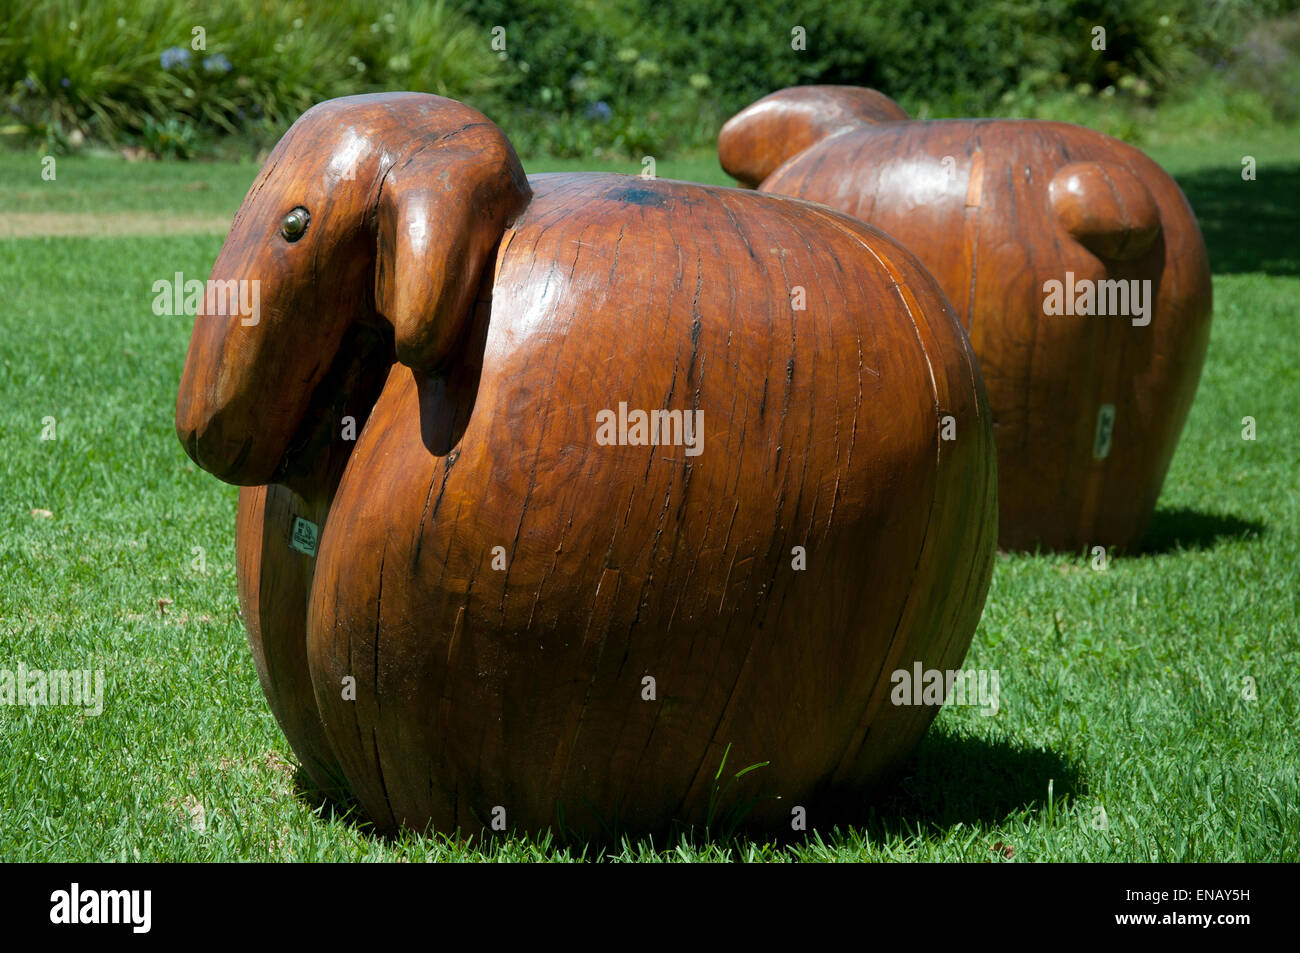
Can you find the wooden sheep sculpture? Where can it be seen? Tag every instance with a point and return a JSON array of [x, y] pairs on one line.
[[646, 475], [1074, 262]]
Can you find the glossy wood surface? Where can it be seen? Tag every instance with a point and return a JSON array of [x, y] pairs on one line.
[[493, 587], [274, 579], [1087, 408]]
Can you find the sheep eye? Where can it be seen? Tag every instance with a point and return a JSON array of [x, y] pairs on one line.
[[295, 224]]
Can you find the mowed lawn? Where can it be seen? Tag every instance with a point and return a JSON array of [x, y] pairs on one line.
[[1147, 712]]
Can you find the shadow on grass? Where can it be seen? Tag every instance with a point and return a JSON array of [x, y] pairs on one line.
[[955, 779], [1248, 226], [952, 779], [1183, 528], [337, 804]]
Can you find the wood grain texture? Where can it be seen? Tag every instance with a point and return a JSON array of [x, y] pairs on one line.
[[996, 209], [773, 129], [520, 686], [275, 579]]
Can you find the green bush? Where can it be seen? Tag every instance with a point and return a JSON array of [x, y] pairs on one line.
[[1267, 65], [104, 68], [579, 77]]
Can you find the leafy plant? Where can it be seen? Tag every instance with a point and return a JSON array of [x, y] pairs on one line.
[[170, 139], [104, 67], [638, 77]]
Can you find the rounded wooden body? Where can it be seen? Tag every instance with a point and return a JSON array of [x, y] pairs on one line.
[[523, 685], [1047, 237], [525, 612], [275, 578], [274, 586]]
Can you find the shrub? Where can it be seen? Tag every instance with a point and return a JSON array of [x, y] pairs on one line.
[[106, 67], [634, 76]]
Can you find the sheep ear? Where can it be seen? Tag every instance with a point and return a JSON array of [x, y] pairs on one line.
[[440, 214], [1107, 209], [777, 127]]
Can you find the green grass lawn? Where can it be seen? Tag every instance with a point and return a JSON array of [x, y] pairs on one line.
[[1124, 693]]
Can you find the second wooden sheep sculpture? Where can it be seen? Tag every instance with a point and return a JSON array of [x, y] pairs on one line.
[[1074, 261], [646, 474]]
